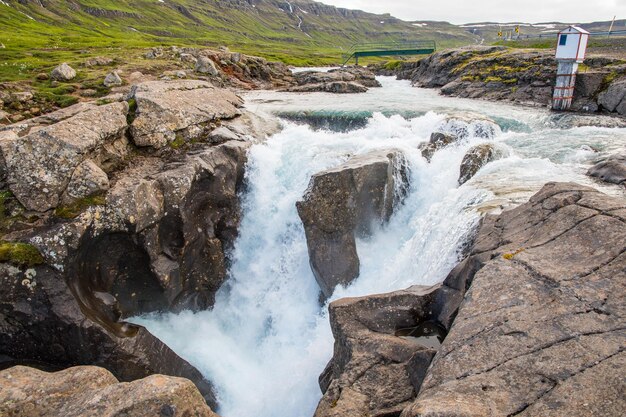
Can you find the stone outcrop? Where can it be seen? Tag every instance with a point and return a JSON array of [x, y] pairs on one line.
[[475, 158], [438, 140], [539, 328], [183, 108], [612, 169], [63, 72], [340, 81], [204, 65], [42, 160], [346, 202], [153, 236], [91, 391]]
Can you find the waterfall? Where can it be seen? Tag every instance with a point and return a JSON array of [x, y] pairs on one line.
[[267, 339]]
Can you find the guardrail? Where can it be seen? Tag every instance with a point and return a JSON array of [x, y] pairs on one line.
[[377, 48], [553, 34]]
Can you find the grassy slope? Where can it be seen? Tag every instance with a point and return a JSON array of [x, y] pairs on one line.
[[71, 31]]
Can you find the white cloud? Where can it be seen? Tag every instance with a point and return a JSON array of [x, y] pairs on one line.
[[460, 11]]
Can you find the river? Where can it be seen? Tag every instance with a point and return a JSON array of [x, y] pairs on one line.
[[267, 339]]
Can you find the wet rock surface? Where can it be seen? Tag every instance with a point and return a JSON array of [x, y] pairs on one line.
[[339, 81], [611, 170], [541, 329], [345, 202], [475, 158], [91, 391]]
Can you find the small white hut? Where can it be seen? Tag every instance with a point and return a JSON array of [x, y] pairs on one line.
[[570, 51]]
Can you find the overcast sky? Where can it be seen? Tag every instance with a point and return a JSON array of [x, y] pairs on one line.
[[464, 11]]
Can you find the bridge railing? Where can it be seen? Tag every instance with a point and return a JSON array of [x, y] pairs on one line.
[[387, 46]]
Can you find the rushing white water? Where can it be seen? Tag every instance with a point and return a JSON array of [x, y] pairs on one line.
[[267, 339]]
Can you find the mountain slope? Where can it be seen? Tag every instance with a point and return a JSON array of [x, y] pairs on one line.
[[298, 31]]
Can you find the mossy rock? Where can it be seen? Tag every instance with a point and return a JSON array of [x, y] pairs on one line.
[[20, 254], [72, 210]]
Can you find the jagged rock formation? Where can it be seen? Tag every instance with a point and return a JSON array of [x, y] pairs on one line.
[[539, 332], [345, 202], [612, 169], [500, 73], [341, 81], [89, 390]]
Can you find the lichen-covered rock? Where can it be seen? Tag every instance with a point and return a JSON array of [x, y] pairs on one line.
[[63, 72], [88, 179], [185, 107], [90, 391], [475, 158], [612, 169], [112, 79], [541, 329], [344, 202], [41, 162]]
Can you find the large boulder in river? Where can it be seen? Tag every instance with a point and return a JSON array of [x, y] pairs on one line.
[[475, 158], [541, 329], [345, 202], [90, 391], [42, 160], [612, 169], [438, 140], [179, 109]]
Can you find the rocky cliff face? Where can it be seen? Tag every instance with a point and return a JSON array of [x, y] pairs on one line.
[[122, 210], [524, 76], [539, 328]]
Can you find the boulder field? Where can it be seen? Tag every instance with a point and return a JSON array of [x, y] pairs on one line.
[[531, 323], [519, 75]]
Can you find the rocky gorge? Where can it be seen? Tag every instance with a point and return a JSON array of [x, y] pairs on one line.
[[136, 204]]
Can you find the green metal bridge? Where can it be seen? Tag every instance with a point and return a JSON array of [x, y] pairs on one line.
[[388, 49]]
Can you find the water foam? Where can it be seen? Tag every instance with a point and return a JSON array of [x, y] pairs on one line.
[[267, 339]]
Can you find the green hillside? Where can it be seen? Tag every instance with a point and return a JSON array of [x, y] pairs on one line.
[[38, 33]]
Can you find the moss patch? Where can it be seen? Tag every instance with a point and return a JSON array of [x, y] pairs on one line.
[[177, 143], [21, 254], [77, 207]]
